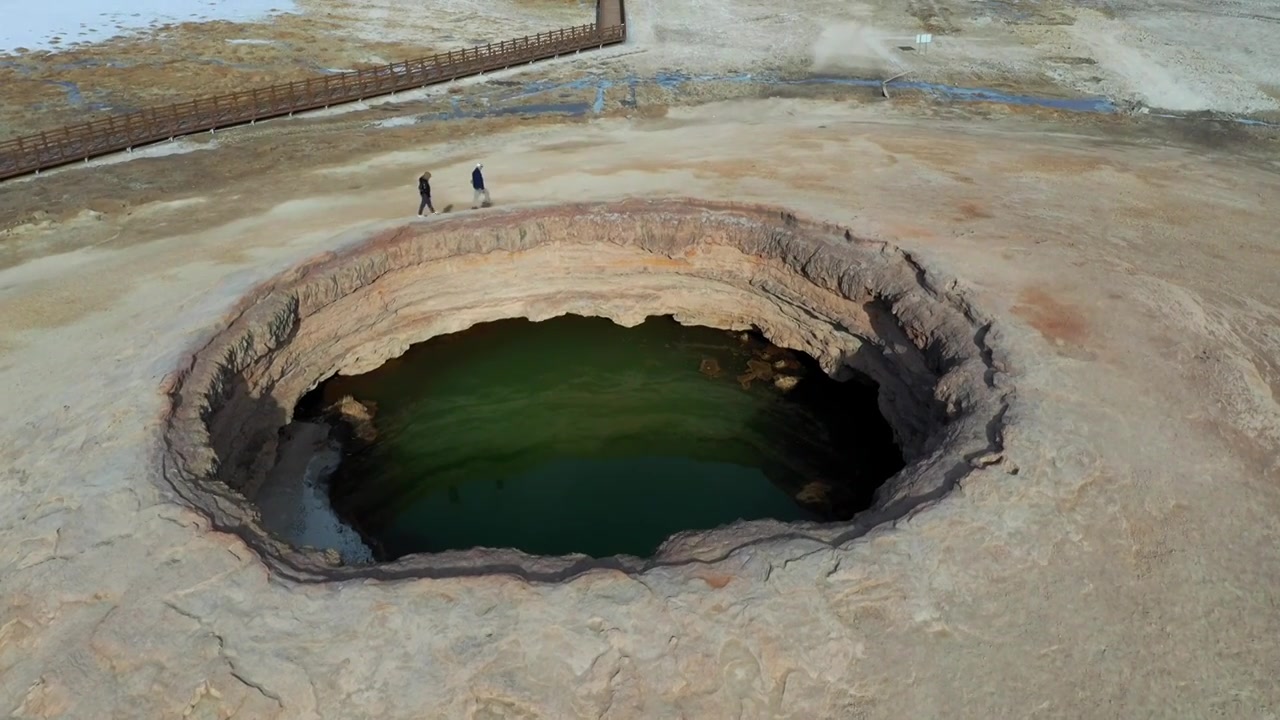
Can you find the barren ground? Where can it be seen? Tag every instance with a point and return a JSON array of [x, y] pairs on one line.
[[1128, 569], [179, 61], [1171, 54]]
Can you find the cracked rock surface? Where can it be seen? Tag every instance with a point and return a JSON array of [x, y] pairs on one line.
[[1126, 569]]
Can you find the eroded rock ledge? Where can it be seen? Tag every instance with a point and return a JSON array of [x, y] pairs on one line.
[[850, 303]]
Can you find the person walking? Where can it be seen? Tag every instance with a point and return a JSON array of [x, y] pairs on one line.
[[477, 184], [424, 192]]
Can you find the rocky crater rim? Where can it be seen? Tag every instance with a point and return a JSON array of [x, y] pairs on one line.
[[857, 306]]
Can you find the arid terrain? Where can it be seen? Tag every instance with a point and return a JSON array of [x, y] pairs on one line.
[[1170, 55], [1118, 557], [176, 61]]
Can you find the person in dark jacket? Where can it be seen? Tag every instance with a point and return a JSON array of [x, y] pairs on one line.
[[424, 192], [477, 184]]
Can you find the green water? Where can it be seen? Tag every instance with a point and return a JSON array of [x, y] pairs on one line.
[[576, 435]]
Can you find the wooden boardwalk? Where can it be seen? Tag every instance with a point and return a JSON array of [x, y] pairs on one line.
[[79, 142]]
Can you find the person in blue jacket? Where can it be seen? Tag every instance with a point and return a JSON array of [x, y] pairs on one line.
[[477, 184]]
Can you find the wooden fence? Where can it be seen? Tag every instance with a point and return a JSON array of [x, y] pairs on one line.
[[82, 141]]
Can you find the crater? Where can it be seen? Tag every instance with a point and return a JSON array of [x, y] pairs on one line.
[[859, 309]]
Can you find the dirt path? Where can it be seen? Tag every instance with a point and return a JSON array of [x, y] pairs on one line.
[[1126, 570]]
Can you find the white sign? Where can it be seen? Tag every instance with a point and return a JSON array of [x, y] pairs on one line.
[[924, 39]]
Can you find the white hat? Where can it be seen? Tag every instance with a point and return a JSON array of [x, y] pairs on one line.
[[479, 165]]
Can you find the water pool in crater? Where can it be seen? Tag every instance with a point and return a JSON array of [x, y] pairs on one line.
[[576, 435]]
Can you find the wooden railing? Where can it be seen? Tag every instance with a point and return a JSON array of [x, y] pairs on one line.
[[82, 141]]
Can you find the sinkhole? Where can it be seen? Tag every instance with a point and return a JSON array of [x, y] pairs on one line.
[[544, 391], [577, 435]]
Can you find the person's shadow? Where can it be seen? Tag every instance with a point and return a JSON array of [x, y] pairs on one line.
[[449, 208]]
